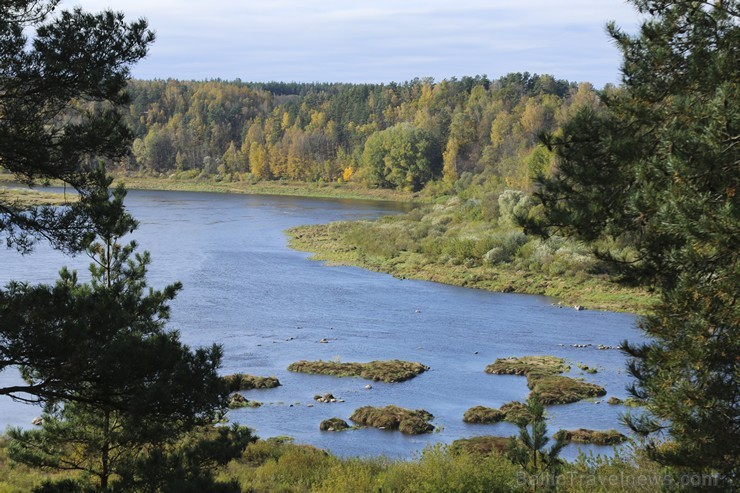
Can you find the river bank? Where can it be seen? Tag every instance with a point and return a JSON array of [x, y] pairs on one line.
[[333, 244], [348, 191], [34, 198], [286, 188]]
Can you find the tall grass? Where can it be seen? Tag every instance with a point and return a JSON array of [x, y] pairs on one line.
[[279, 466]]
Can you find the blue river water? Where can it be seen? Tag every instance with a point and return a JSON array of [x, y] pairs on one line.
[[269, 306]]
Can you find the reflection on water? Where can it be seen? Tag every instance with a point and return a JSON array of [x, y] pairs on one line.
[[269, 306]]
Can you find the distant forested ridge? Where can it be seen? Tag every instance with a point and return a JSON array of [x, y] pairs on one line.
[[381, 135]]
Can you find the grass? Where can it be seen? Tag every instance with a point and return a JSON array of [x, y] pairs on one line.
[[384, 371], [633, 402], [350, 191], [483, 415], [291, 188], [481, 445], [515, 412], [582, 435], [22, 197], [333, 424], [587, 369], [512, 412], [543, 378], [527, 365], [19, 478], [446, 244], [278, 465], [467, 466], [410, 422], [556, 389], [242, 381], [237, 401]]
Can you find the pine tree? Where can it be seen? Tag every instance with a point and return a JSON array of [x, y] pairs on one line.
[[116, 382], [542, 466], [656, 172], [59, 97]]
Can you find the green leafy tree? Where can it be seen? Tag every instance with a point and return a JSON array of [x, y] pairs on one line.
[[59, 93], [401, 156], [656, 168], [139, 387], [541, 465]]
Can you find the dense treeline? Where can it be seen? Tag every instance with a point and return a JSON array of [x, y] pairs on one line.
[[383, 135]]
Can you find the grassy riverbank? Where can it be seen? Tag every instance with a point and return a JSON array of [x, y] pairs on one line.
[[276, 465], [290, 188], [373, 246], [350, 191], [33, 198]]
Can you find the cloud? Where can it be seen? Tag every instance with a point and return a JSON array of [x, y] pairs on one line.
[[380, 40]]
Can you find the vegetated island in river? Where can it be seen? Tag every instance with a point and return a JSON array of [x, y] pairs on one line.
[[410, 422], [595, 437], [544, 379], [449, 243], [242, 381], [384, 371]]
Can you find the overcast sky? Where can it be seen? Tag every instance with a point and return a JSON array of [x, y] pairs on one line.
[[376, 40]]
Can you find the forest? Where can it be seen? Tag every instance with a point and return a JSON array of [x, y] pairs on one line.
[[398, 135]]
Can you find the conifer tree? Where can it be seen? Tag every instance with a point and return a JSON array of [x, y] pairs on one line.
[[119, 383], [541, 465], [658, 170], [60, 93]]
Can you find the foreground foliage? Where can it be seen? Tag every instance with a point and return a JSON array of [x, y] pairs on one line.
[[542, 466], [139, 391], [657, 168], [277, 465]]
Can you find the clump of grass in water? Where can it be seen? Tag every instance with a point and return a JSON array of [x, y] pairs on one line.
[[237, 401], [483, 415], [512, 412], [481, 445], [411, 422], [596, 437], [333, 424], [556, 389], [527, 365], [543, 377], [385, 371], [242, 381]]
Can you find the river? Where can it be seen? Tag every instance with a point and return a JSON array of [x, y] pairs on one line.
[[269, 306]]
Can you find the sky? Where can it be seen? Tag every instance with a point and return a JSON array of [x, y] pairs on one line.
[[376, 40]]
